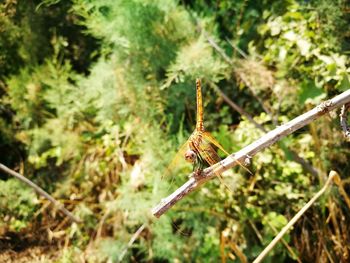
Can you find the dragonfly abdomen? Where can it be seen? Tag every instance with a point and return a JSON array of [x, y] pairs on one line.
[[199, 125]]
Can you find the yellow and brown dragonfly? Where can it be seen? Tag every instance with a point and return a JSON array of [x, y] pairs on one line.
[[201, 148]]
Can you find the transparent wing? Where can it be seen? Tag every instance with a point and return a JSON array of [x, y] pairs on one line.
[[175, 165], [212, 140], [207, 136]]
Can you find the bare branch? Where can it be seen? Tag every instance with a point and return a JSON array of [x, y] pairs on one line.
[[240, 75], [212, 42], [39, 191], [251, 150], [277, 238], [131, 241], [240, 51], [237, 108], [256, 96], [290, 250]]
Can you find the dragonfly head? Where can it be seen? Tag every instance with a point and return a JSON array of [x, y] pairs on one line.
[[190, 156]]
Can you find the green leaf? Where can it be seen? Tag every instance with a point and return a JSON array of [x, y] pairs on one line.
[[310, 93], [344, 84]]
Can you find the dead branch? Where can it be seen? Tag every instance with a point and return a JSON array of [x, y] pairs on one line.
[[250, 150], [236, 107], [277, 238], [39, 191], [131, 241]]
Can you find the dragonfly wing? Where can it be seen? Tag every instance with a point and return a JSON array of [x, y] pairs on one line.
[[212, 140], [176, 163], [179, 156]]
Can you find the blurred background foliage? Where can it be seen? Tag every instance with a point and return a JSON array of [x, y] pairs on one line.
[[97, 96]]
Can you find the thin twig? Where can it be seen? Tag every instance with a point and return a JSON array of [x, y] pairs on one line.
[[213, 43], [256, 231], [39, 191], [342, 191], [238, 252], [294, 219], [132, 240], [240, 51], [246, 82], [305, 164], [102, 221], [264, 142], [236, 107], [257, 97], [229, 60], [290, 250]]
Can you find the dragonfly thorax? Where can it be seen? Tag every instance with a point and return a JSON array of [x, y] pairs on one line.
[[190, 156]]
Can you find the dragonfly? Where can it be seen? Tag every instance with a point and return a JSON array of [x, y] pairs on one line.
[[200, 149]]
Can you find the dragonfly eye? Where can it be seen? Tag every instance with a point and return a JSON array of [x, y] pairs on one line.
[[190, 156]]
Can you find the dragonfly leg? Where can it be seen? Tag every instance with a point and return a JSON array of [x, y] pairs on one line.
[[197, 171], [197, 174]]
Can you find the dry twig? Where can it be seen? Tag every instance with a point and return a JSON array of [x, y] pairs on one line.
[[39, 191], [132, 240], [261, 256]]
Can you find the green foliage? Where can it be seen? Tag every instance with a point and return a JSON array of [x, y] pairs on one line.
[[310, 93], [9, 40], [333, 21], [18, 204], [297, 46], [196, 60], [142, 30]]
